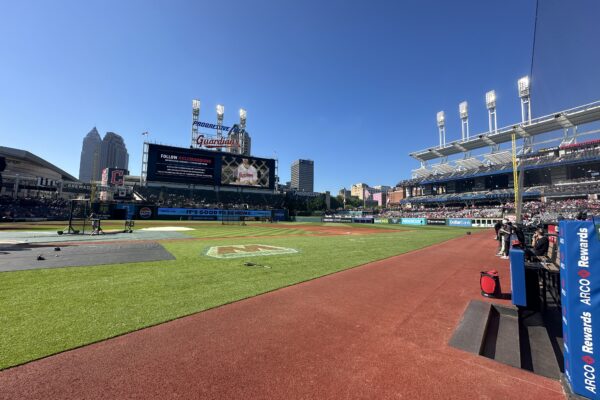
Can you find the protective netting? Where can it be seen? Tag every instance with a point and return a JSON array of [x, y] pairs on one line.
[[79, 217]]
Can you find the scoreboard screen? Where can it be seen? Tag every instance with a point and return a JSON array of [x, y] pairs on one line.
[[203, 167]]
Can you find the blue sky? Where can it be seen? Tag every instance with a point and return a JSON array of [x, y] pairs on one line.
[[353, 85]]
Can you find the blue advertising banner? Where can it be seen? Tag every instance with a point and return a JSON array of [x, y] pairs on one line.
[[412, 221], [517, 277], [200, 212], [363, 220], [130, 209], [460, 222], [580, 294], [344, 220], [279, 215]]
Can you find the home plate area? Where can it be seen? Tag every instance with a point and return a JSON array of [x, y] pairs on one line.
[[247, 250]]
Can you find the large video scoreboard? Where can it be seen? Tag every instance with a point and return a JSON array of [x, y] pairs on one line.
[[203, 167]]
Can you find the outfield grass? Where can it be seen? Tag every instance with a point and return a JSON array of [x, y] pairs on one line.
[[43, 312]]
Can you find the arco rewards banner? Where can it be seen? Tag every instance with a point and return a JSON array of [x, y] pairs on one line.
[[580, 294]]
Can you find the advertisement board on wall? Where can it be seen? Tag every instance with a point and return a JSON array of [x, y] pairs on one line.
[[412, 221], [362, 220], [460, 222], [205, 167], [382, 220], [580, 282], [179, 165], [207, 212], [344, 220], [436, 221]]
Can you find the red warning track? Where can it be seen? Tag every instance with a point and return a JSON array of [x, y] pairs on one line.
[[379, 331]]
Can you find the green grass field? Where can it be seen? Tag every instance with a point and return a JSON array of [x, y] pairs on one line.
[[47, 311]]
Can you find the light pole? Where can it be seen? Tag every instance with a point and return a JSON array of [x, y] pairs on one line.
[[490, 103], [220, 113], [143, 170], [441, 122], [524, 93], [242, 132], [463, 110], [195, 121]]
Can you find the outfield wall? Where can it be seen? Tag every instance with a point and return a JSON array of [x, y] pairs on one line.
[[459, 222], [141, 212]]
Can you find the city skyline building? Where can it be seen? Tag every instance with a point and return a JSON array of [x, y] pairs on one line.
[[90, 155], [98, 153], [245, 142], [113, 153], [303, 175], [358, 190]]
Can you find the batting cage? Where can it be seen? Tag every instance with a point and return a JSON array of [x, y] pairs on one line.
[[79, 214]]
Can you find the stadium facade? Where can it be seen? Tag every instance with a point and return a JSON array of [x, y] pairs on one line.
[[566, 163], [29, 175]]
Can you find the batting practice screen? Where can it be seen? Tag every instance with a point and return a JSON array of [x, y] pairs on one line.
[[202, 167]]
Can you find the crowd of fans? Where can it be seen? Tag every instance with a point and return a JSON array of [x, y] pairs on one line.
[[55, 208], [194, 198], [59, 209], [544, 211], [10, 208]]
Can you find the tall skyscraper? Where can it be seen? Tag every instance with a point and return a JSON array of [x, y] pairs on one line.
[[90, 155], [113, 153], [245, 141], [303, 175]]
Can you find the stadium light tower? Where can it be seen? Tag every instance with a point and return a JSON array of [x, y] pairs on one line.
[[220, 113], [242, 132], [490, 103], [524, 85], [243, 114], [195, 121], [441, 122], [463, 110]]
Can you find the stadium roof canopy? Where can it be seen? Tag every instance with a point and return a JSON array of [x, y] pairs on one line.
[[32, 158], [561, 120]]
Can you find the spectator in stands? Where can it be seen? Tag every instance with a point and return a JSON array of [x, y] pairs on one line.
[[539, 245]]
